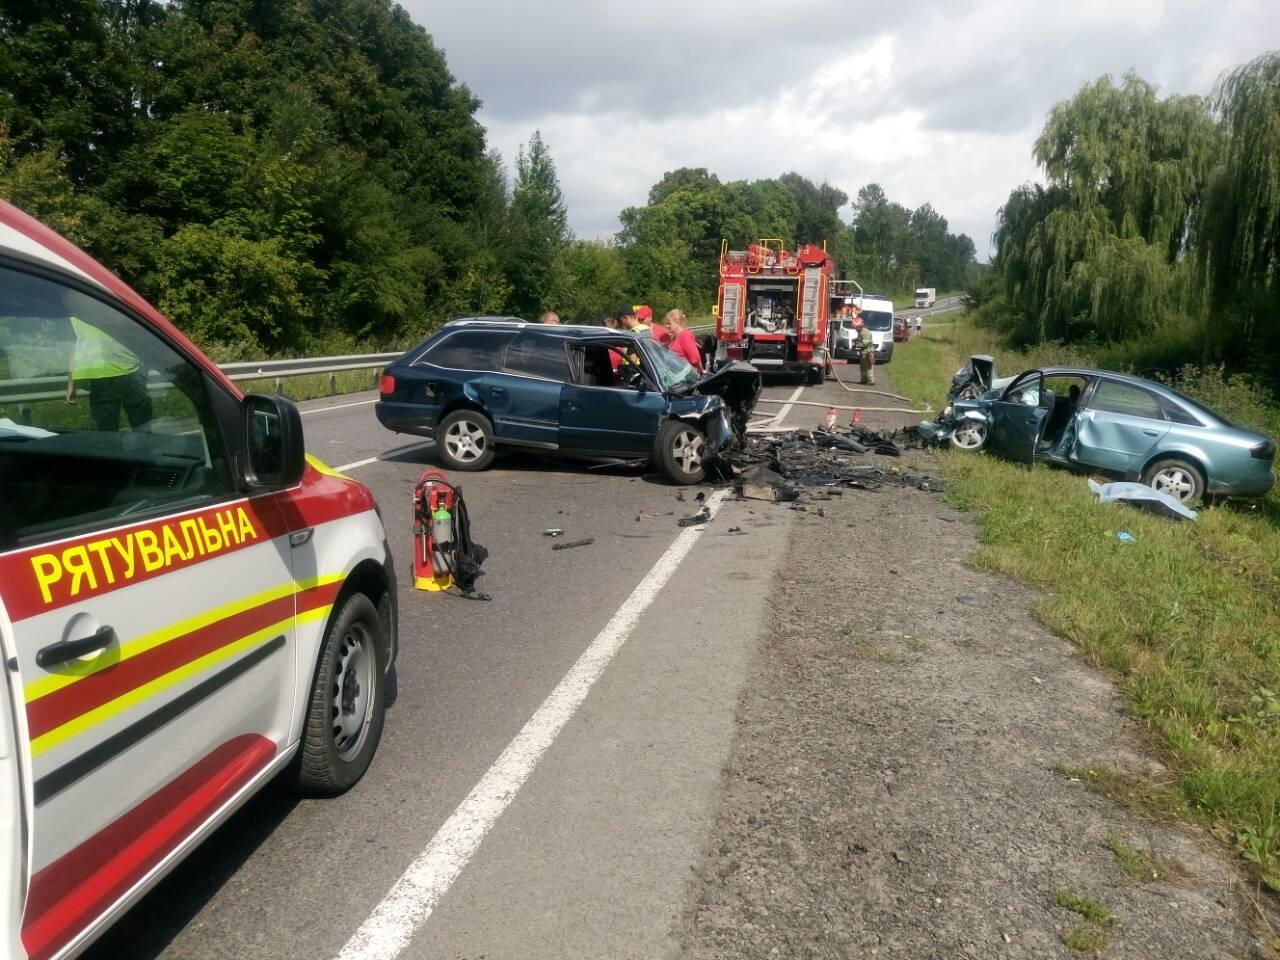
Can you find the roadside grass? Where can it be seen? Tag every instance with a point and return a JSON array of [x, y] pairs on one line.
[[1083, 905], [312, 387], [1187, 616], [1090, 936], [1085, 938]]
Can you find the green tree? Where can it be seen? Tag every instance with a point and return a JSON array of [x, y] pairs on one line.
[[540, 227]]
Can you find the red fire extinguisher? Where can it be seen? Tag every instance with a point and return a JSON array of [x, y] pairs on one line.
[[433, 510]]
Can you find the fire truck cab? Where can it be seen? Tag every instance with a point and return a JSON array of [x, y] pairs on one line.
[[774, 306]]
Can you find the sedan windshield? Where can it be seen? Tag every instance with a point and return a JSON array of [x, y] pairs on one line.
[[674, 373]]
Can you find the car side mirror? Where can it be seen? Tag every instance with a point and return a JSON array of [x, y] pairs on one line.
[[274, 453]]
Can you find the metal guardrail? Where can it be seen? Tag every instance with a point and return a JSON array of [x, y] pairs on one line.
[[51, 388]]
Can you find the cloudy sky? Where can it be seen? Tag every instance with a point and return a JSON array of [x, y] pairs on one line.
[[938, 102]]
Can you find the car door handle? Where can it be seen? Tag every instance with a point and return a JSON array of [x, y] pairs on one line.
[[1152, 433], [65, 650], [498, 391], [572, 405]]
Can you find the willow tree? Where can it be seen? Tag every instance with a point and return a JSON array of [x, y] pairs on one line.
[[1240, 229], [1095, 253]]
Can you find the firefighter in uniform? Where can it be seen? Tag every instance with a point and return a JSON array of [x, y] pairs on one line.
[[865, 347]]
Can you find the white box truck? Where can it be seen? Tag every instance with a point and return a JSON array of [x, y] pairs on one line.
[[926, 297]]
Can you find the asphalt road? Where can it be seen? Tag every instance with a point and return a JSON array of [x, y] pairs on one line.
[[591, 856]]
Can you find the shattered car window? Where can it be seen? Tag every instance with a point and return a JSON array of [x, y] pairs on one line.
[[1028, 394], [673, 371]]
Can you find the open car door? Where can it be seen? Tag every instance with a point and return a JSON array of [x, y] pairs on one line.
[[1018, 418]]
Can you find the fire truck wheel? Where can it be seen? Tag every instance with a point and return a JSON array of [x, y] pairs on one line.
[[679, 450], [345, 712], [817, 376], [464, 440]]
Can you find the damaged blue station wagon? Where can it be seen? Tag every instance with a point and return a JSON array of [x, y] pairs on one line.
[[482, 384]]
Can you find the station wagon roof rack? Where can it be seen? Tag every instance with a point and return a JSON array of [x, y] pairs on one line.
[[490, 321]]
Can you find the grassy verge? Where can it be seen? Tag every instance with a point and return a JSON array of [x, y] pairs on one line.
[[311, 387], [1187, 616]]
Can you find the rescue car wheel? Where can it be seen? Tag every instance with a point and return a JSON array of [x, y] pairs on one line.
[[465, 440], [348, 699], [679, 451]]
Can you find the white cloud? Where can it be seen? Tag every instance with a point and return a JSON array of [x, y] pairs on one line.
[[938, 102]]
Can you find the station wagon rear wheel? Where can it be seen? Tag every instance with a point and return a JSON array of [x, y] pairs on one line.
[[680, 451], [970, 436], [464, 440], [347, 703], [1181, 480]]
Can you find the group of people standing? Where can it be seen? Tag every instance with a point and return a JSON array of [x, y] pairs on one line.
[[672, 331]]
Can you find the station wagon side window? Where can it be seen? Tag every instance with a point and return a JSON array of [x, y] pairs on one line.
[[1111, 396], [468, 350], [531, 355], [101, 421]]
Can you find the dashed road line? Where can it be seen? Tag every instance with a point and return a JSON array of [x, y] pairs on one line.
[[337, 406], [355, 464], [406, 907]]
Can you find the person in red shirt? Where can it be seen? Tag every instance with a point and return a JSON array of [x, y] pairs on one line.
[[644, 316], [683, 342]]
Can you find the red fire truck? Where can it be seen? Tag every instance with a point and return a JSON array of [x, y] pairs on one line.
[[774, 306]]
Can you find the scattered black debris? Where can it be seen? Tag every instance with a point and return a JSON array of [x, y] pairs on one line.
[[702, 495], [779, 466], [574, 543], [553, 532], [821, 512], [702, 516], [680, 495], [735, 530]]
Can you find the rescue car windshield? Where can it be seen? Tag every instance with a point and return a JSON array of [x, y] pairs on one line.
[[674, 372]]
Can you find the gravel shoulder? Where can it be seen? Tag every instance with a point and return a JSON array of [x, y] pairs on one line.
[[900, 781]]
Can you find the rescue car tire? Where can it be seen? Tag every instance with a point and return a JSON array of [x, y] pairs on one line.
[[464, 440], [680, 451], [347, 705]]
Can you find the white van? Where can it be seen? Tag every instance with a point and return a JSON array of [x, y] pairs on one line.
[[877, 315]]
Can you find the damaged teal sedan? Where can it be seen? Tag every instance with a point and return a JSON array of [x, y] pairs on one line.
[[1097, 421]]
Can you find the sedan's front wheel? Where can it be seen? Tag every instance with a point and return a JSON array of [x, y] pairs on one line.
[[970, 436], [680, 451], [1179, 479]]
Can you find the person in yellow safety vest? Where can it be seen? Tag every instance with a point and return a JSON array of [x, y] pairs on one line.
[[113, 376], [866, 349], [630, 321]]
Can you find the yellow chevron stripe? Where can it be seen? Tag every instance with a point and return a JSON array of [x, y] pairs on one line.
[[69, 673], [324, 468], [73, 728]]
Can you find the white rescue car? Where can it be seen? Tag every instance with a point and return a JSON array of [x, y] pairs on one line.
[[189, 605]]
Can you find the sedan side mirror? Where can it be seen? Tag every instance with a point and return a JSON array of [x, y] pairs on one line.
[[274, 453], [639, 381]]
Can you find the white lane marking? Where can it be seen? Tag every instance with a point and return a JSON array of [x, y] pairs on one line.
[[337, 406], [406, 907], [382, 456], [777, 418]]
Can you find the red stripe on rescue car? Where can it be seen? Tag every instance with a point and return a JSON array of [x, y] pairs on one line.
[[78, 887], [66, 703]]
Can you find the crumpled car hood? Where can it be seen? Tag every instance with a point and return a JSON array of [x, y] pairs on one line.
[[738, 385]]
